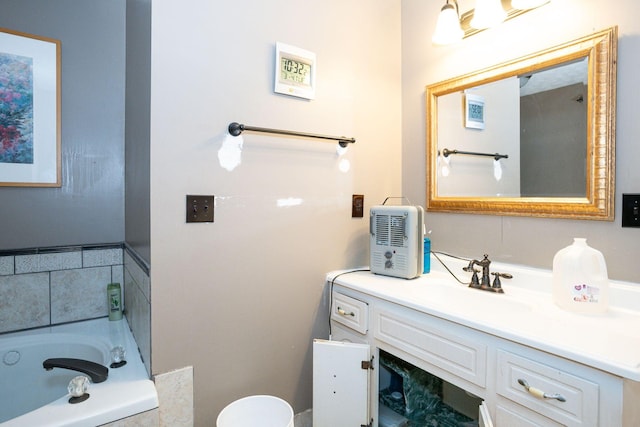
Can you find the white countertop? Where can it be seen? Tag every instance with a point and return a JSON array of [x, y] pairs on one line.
[[525, 313]]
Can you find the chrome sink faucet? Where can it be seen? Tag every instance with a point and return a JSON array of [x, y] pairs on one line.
[[485, 283]]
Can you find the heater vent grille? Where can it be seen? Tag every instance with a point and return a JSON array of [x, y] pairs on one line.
[[390, 230], [397, 231]]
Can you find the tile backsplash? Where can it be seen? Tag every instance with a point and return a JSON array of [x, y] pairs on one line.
[[42, 287]]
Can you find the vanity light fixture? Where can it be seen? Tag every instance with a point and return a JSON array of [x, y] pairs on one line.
[[488, 13], [448, 30], [527, 4]]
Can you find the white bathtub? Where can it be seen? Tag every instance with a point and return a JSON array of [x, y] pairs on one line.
[[32, 396]]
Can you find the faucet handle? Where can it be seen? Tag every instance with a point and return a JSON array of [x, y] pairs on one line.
[[77, 388], [497, 286], [475, 282]]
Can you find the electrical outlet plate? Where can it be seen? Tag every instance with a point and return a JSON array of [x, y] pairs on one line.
[[357, 206], [631, 210], [200, 208]]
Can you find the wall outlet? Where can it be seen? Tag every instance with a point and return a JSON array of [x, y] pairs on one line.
[[200, 208], [631, 210], [357, 206]]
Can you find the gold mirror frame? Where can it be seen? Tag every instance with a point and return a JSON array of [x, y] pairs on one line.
[[601, 50]]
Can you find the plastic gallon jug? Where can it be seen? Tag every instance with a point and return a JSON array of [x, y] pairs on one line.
[[580, 281]]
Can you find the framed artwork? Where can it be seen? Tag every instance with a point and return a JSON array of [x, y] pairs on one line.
[[30, 153], [474, 111]]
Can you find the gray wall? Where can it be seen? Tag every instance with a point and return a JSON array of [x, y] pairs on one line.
[[137, 129], [89, 207], [554, 155]]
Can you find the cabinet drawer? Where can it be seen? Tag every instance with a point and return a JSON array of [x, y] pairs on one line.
[[580, 407], [350, 312], [517, 416], [456, 350]]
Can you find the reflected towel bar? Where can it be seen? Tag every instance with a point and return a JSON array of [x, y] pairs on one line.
[[446, 152], [236, 129]]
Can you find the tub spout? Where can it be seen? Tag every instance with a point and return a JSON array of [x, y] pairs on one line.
[[95, 371]]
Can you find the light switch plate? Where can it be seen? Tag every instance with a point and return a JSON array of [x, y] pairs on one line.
[[200, 208], [631, 210], [357, 206]]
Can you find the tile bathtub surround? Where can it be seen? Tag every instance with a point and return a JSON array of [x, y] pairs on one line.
[[24, 301], [6, 265], [79, 294], [137, 287], [48, 262], [41, 287], [175, 397]]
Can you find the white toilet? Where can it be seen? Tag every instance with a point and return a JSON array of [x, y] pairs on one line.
[[256, 411]]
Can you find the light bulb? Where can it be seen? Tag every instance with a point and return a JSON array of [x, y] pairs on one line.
[[488, 13], [448, 29]]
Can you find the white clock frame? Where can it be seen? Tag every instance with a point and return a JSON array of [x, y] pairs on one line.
[[286, 87]]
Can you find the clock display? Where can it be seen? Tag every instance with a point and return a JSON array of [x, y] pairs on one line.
[[476, 112], [295, 71]]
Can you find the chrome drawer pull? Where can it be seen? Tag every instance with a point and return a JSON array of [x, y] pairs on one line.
[[344, 313], [539, 393]]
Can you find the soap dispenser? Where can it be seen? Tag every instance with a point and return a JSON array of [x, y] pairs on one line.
[[580, 281]]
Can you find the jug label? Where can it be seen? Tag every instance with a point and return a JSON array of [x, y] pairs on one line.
[[585, 293]]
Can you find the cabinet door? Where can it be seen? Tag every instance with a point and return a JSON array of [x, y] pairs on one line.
[[484, 417], [340, 384]]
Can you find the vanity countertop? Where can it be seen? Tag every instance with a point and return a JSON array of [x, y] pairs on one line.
[[524, 314]]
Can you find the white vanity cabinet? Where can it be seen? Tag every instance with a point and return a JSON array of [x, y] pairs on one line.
[[519, 384]]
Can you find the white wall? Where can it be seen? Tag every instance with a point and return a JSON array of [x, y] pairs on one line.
[[531, 241], [241, 298]]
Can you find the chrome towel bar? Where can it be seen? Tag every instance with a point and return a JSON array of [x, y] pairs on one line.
[[446, 152], [236, 129]]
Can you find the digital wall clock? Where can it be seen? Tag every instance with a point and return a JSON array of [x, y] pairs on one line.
[[295, 71], [474, 111]]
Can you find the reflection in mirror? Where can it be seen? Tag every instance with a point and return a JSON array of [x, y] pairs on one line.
[[553, 131], [534, 136], [539, 119]]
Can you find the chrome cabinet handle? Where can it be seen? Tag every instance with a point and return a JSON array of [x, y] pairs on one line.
[[344, 313], [539, 393]]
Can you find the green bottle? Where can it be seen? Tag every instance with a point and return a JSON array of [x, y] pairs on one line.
[[114, 301]]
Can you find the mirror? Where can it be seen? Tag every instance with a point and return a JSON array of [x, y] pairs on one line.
[[531, 137]]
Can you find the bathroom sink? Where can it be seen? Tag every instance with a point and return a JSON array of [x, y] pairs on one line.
[[516, 309], [469, 302]]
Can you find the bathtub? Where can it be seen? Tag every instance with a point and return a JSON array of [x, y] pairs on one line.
[[32, 396]]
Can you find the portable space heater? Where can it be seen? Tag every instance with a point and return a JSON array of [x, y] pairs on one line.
[[396, 240]]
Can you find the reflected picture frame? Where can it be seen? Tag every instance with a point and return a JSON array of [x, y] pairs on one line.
[[30, 131]]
